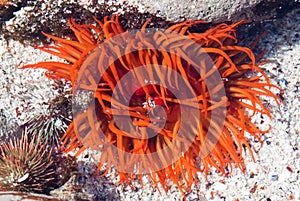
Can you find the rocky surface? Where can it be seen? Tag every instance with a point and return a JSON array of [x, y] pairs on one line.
[[275, 174]]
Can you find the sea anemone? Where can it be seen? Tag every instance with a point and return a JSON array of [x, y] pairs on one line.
[[26, 165], [185, 129]]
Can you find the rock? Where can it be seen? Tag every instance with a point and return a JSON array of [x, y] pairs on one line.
[[19, 196]]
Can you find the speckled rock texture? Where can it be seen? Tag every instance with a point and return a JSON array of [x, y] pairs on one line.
[[210, 10], [17, 196]]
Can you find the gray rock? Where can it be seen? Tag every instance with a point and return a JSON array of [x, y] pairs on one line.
[[211, 10]]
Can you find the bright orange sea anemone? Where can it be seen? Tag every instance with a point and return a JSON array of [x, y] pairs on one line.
[[242, 90]]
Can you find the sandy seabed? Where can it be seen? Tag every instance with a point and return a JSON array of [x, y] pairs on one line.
[[274, 176]]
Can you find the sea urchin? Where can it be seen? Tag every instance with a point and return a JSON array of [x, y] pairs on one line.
[[26, 165]]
